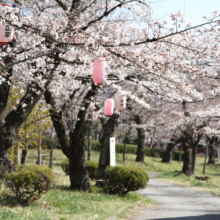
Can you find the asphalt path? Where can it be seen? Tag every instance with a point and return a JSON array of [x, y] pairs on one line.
[[178, 203]]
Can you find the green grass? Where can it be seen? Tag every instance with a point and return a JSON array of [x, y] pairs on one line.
[[212, 185], [61, 204], [172, 172]]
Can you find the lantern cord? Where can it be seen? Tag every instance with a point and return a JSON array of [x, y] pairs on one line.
[[15, 5]]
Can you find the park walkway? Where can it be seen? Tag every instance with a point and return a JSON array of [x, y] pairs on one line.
[[178, 203]]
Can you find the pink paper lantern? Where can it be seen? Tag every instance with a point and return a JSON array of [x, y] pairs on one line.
[[6, 32], [99, 70], [109, 106], [120, 102]]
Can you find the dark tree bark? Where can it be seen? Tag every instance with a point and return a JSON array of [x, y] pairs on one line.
[[15, 118], [108, 131], [141, 139], [89, 141], [79, 176], [187, 148], [125, 142], [7, 135], [152, 137], [73, 146], [97, 131], [23, 156], [195, 149], [13, 121], [213, 147], [75, 4], [140, 148], [168, 152], [190, 146]]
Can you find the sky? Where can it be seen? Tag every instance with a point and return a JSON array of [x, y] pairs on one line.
[[194, 10]]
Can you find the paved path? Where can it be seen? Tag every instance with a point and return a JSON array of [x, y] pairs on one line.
[[178, 203]]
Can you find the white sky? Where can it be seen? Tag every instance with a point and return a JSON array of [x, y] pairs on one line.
[[194, 10]]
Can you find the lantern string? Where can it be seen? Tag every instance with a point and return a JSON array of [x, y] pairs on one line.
[[15, 5]]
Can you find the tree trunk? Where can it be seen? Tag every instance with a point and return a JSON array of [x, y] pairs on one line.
[[14, 120], [187, 142], [51, 154], [152, 138], [108, 131], [140, 148], [7, 137], [194, 152], [180, 154], [97, 131], [187, 162], [23, 156], [190, 145], [39, 153], [141, 139], [206, 152], [16, 155], [89, 141], [212, 146], [212, 154], [79, 176], [168, 152], [73, 147], [125, 141], [51, 148], [187, 148]]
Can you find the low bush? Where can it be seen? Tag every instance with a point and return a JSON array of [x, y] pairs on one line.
[[29, 182], [96, 146], [92, 168], [91, 165], [122, 179], [65, 166], [176, 155], [130, 149], [152, 152]]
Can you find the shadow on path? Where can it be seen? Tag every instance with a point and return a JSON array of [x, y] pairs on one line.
[[201, 217]]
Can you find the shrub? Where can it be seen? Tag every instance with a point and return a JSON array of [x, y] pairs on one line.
[[92, 168], [122, 179], [65, 166], [130, 149], [91, 165], [29, 182], [176, 155], [96, 146], [152, 152]]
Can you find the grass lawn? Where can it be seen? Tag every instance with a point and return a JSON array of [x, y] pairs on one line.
[[172, 172], [60, 203], [211, 186]]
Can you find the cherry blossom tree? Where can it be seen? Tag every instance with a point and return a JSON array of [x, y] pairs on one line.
[[55, 43]]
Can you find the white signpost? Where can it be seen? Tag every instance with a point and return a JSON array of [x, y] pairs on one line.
[[112, 151]]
